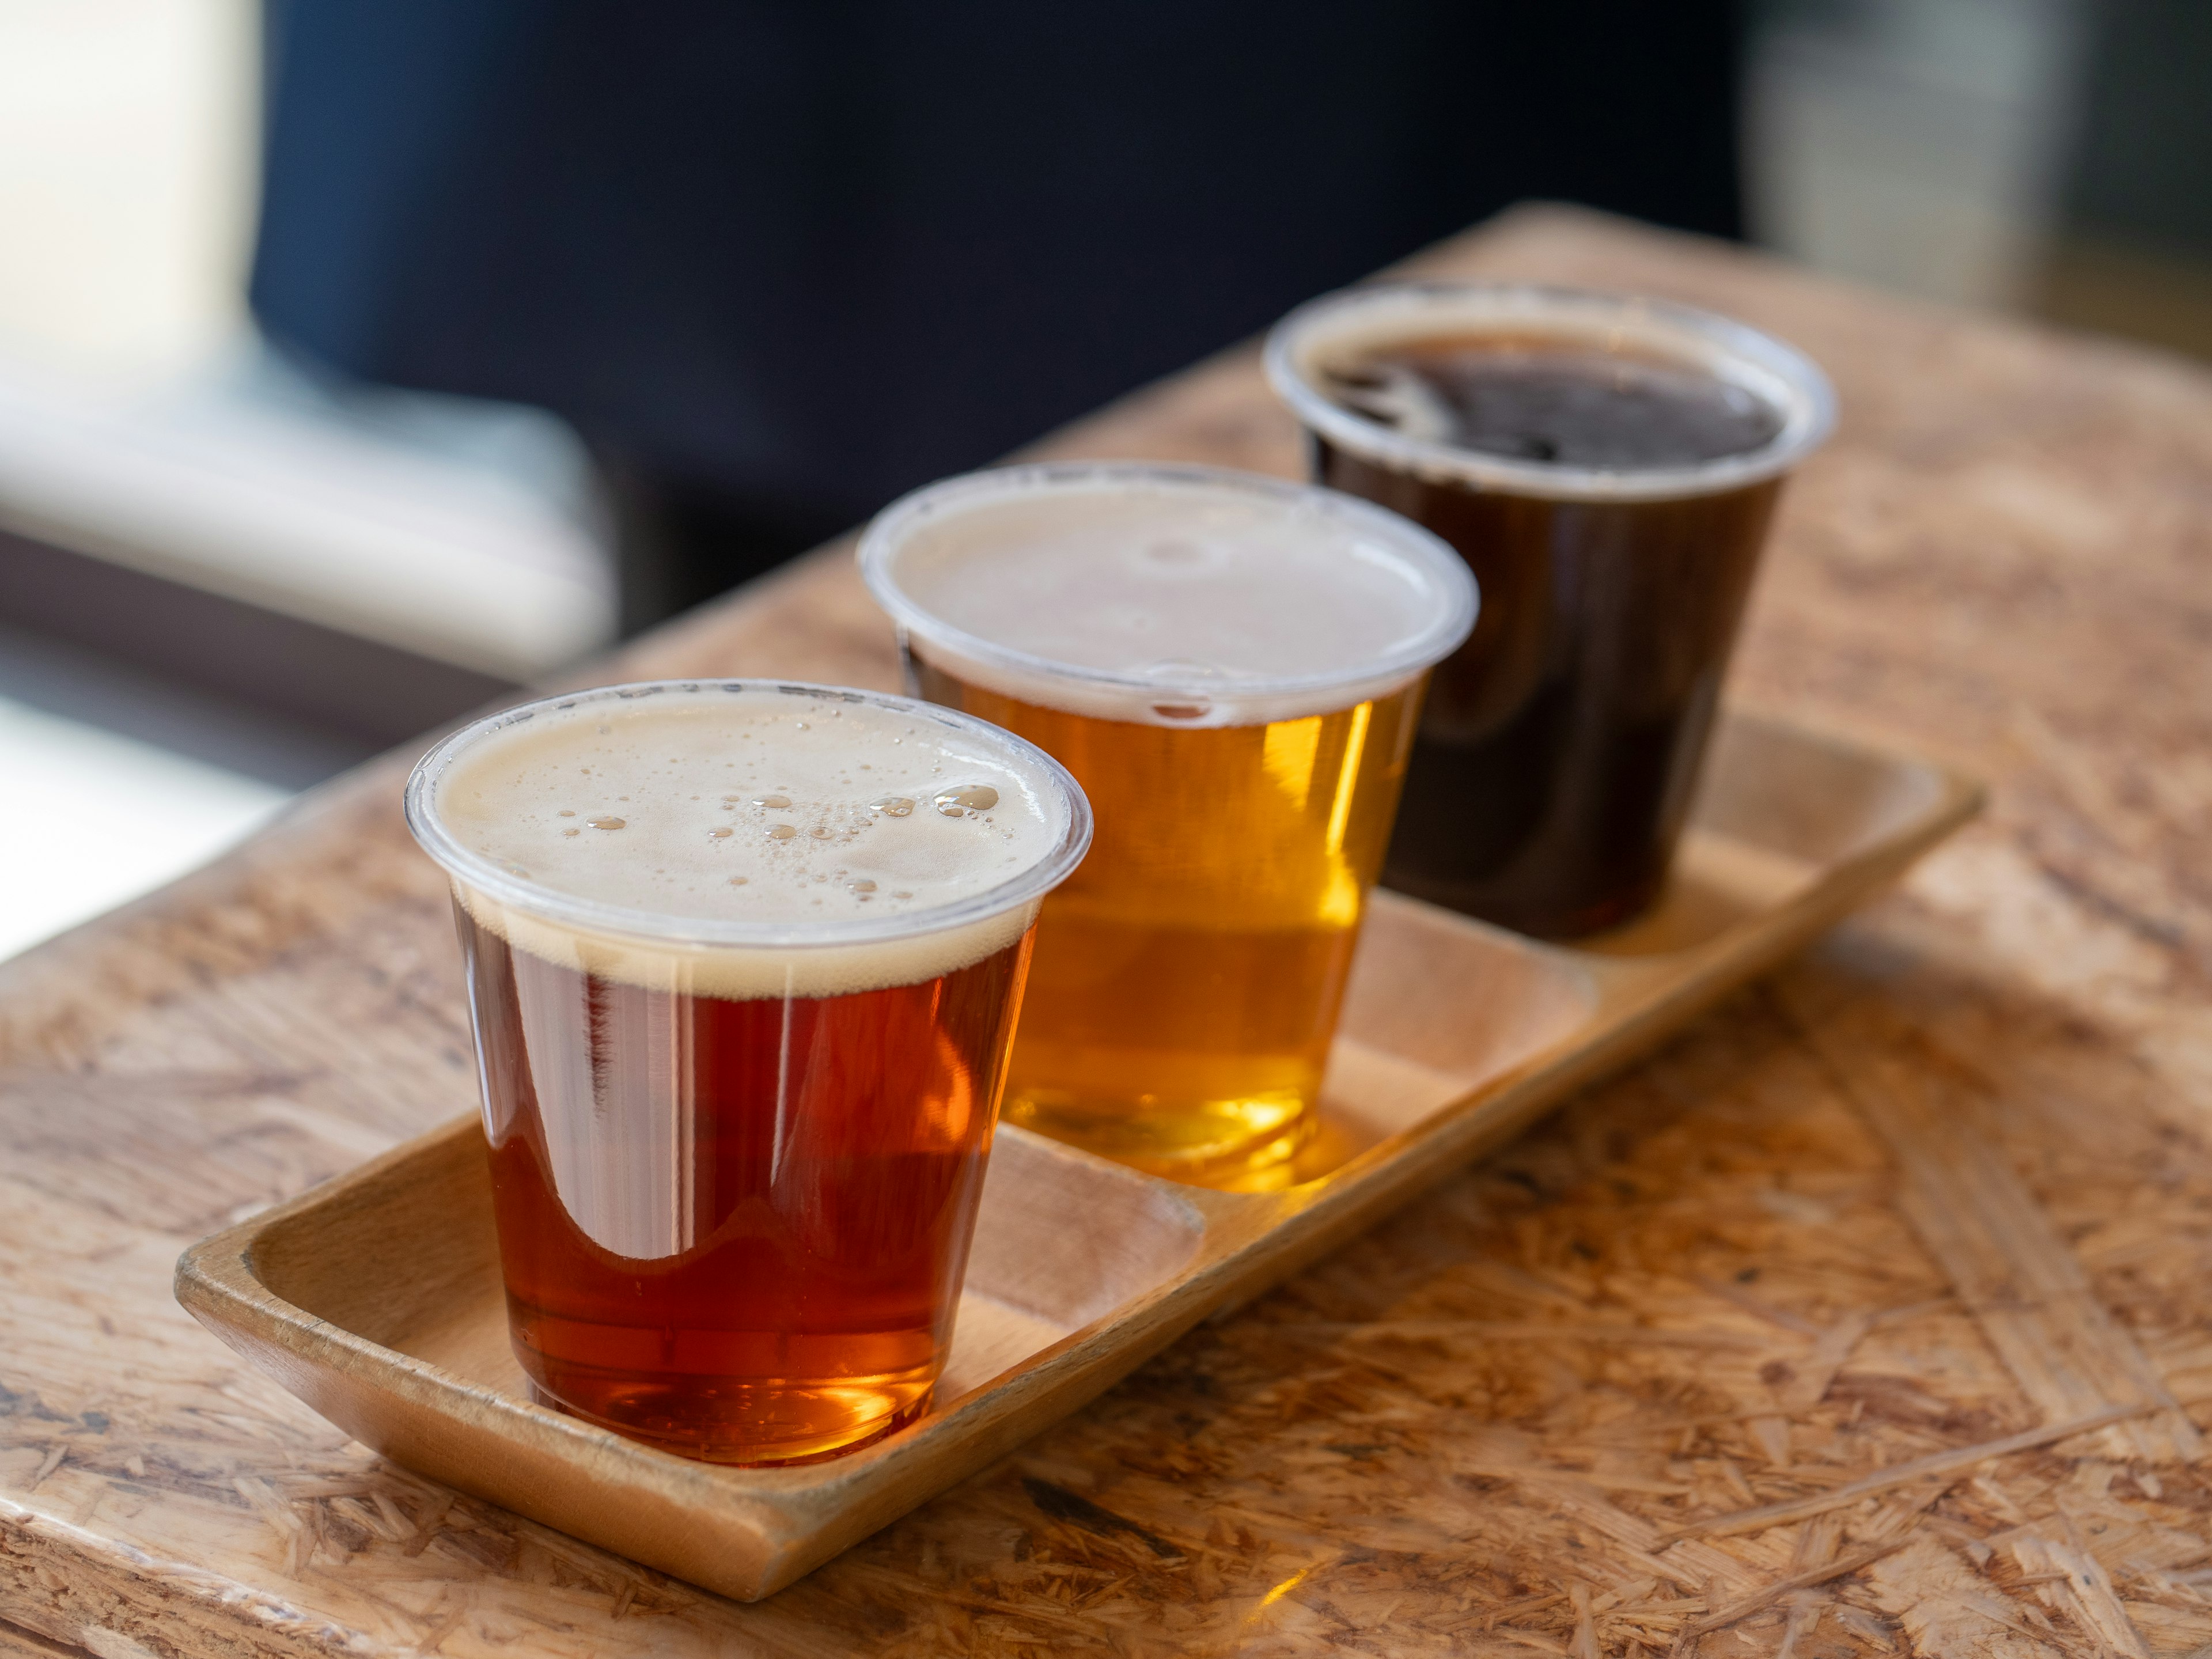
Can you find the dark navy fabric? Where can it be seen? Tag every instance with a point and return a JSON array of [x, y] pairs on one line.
[[809, 252]]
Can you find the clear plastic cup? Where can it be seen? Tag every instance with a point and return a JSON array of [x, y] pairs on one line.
[[744, 963], [1232, 666], [1561, 744]]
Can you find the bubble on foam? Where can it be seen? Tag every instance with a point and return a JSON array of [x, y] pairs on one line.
[[963, 799], [1200, 591], [814, 847]]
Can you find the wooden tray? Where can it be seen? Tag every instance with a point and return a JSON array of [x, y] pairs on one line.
[[376, 1297]]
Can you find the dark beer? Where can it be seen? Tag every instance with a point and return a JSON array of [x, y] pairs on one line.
[[1525, 398], [1608, 471], [744, 964]]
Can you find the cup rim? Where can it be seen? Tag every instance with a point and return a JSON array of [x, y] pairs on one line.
[[661, 929], [887, 534], [1779, 373]]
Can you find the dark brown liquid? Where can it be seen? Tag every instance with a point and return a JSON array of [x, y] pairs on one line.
[[1555, 406], [1560, 747], [736, 1229]]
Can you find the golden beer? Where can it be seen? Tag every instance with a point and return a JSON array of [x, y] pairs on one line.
[[1186, 985], [1232, 670]]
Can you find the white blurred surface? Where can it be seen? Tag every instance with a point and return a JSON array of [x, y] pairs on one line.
[[130, 134], [460, 530], [1918, 144], [93, 819], [142, 421]]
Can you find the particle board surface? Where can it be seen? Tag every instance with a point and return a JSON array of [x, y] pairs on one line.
[[1871, 1316], [376, 1297]]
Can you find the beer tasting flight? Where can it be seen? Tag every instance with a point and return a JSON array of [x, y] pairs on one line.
[[755, 967]]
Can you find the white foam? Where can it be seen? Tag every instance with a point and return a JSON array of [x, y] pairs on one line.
[[1176, 599], [663, 807]]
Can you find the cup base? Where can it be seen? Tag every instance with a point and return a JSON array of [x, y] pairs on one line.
[[1538, 919], [1241, 1146], [738, 1421]]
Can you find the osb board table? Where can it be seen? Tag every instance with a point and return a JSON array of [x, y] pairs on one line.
[[1731, 1354]]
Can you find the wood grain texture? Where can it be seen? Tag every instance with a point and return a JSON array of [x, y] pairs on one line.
[[1482, 1426]]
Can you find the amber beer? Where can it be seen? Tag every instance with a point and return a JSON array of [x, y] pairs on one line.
[[1607, 467], [745, 961], [1232, 669]]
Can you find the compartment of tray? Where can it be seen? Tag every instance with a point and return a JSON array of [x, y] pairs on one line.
[[1789, 830], [1437, 1008], [1779, 810]]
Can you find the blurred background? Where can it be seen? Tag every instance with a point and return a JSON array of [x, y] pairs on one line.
[[359, 362]]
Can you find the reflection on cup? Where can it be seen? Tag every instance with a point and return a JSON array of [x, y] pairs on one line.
[[1607, 467], [744, 962], [1232, 668]]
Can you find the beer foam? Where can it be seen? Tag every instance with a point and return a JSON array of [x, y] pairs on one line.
[[759, 841], [1175, 597]]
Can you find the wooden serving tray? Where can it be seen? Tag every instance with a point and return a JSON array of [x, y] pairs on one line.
[[376, 1297]]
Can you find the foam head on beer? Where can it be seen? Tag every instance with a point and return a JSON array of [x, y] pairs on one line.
[[1159, 594], [744, 962], [742, 822]]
